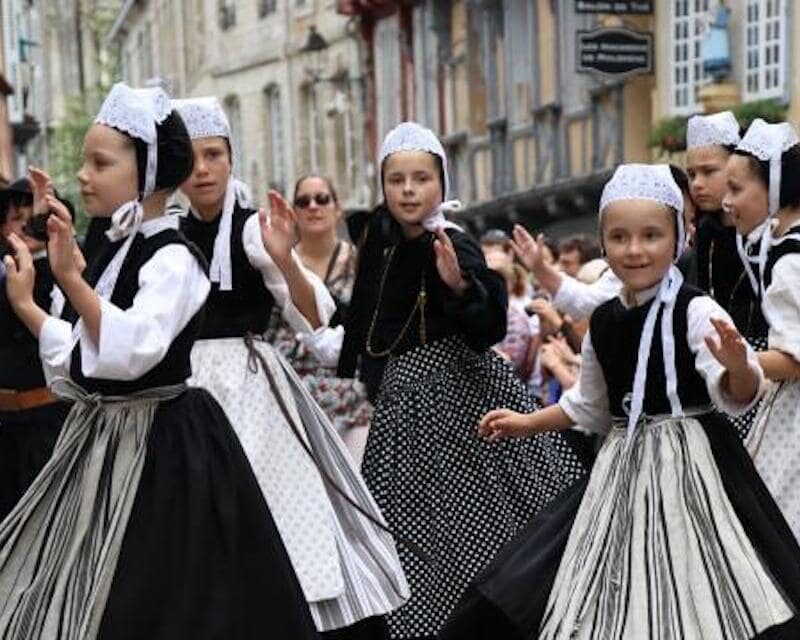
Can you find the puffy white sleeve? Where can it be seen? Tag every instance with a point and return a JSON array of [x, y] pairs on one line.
[[172, 289], [586, 402], [699, 314], [276, 283], [782, 304], [55, 348], [578, 299]]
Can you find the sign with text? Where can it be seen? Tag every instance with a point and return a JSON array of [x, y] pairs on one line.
[[615, 52], [643, 7]]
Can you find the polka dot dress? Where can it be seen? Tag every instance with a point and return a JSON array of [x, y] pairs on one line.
[[744, 422], [460, 498]]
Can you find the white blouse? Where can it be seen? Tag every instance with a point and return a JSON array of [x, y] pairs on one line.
[[586, 403], [172, 289], [276, 283], [782, 305], [579, 299]]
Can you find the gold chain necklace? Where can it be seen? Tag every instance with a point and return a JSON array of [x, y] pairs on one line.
[[422, 298]]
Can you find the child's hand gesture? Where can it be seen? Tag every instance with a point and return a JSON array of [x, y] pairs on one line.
[[20, 273], [66, 260], [530, 252], [731, 350], [447, 263], [278, 229], [41, 187], [504, 423]]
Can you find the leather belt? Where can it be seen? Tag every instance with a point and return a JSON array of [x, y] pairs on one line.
[[12, 400]]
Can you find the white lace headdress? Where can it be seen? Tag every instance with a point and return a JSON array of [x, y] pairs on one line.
[[716, 129], [410, 136], [204, 117], [768, 143], [135, 112], [656, 184]]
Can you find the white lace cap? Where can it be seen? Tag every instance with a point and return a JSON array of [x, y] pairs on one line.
[[136, 112], [716, 129], [652, 182], [204, 117]]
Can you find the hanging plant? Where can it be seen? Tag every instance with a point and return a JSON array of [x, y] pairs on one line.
[[770, 110], [669, 134]]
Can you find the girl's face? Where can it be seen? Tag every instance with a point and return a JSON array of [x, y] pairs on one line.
[[413, 188], [639, 240], [747, 197], [108, 177], [16, 218], [705, 167], [206, 187], [317, 211]]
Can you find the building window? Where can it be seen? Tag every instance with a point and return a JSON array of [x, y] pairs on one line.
[[765, 49], [227, 14], [234, 112], [311, 127], [387, 73], [266, 7], [276, 163], [688, 77]]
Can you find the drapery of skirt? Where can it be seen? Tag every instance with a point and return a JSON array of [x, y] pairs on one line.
[[146, 522], [774, 444], [459, 497], [673, 537], [348, 567], [27, 439]]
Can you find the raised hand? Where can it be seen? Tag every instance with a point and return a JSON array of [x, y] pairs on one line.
[[278, 229], [505, 423], [20, 272], [66, 261], [447, 263], [730, 350], [41, 187], [530, 252]]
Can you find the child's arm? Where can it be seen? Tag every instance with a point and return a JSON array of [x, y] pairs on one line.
[[782, 308], [740, 381], [504, 423], [778, 365], [20, 276]]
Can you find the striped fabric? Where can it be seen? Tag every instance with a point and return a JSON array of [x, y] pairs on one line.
[[59, 546], [657, 551], [374, 580]]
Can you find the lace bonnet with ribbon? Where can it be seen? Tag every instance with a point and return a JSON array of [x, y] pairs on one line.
[[410, 136], [716, 129], [205, 118], [768, 143], [656, 184], [136, 113]]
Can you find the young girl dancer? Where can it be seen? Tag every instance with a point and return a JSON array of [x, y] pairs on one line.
[[757, 193], [346, 562], [674, 534], [426, 307], [147, 522]]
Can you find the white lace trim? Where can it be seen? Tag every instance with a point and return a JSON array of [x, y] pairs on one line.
[[203, 117], [718, 128], [410, 136]]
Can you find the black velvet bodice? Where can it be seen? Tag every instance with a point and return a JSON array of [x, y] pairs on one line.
[[616, 332], [246, 308]]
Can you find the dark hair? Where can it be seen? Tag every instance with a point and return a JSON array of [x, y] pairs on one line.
[[586, 246], [790, 168], [175, 155], [551, 244], [680, 178], [325, 179], [495, 238]]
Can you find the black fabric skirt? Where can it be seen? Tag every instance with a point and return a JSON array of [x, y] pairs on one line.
[[27, 439], [201, 557], [509, 599], [457, 496]]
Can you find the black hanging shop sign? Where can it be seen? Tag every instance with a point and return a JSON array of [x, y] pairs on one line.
[[620, 7], [615, 52]]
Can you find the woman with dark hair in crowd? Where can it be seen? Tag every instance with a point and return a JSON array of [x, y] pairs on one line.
[[147, 521], [332, 258]]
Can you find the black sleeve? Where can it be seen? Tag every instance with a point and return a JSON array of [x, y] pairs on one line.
[[481, 311]]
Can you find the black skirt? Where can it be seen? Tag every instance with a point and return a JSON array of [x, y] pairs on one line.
[[508, 600], [201, 557], [27, 439]]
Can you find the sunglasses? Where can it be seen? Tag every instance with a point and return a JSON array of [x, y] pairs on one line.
[[322, 199]]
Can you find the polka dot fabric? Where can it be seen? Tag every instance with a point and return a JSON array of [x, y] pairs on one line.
[[459, 497], [743, 423]]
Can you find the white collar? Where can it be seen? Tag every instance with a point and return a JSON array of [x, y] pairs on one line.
[[153, 226], [640, 297]]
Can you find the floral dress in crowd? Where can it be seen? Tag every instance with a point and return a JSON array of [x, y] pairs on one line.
[[344, 400]]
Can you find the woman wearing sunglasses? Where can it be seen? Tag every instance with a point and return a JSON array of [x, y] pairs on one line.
[[333, 531], [333, 259]]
